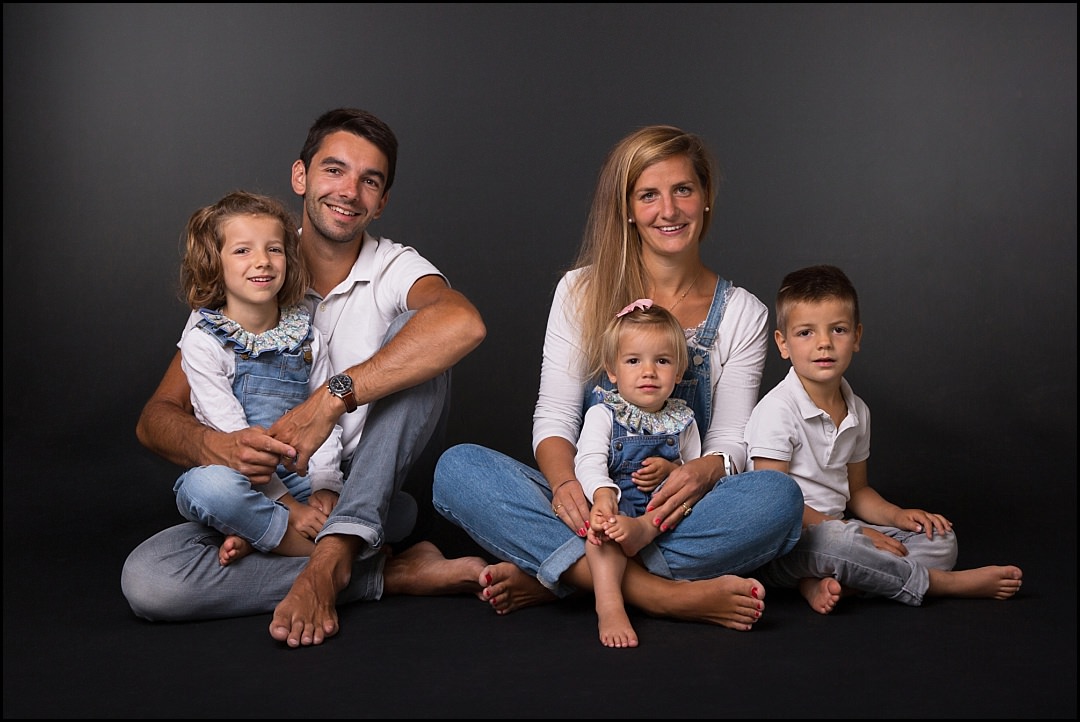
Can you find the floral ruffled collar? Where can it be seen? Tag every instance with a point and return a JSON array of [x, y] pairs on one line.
[[289, 335], [671, 419]]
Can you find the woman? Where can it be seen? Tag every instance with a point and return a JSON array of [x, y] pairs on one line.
[[650, 210]]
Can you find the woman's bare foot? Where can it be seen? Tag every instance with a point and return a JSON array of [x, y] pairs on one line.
[[632, 533], [422, 570], [822, 594], [233, 548], [730, 601], [507, 589], [992, 582], [615, 627]]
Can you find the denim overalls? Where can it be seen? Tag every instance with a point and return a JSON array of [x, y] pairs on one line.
[[268, 385], [628, 451]]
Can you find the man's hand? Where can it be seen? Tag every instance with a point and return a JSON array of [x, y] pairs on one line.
[[304, 428], [251, 451]]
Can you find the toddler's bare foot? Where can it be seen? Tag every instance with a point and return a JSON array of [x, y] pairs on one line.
[[991, 582], [822, 594], [615, 627], [422, 570], [507, 589], [632, 533], [233, 548]]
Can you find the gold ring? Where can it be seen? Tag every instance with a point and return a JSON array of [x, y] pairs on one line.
[[686, 509], [555, 509]]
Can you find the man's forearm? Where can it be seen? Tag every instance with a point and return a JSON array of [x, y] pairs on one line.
[[173, 434]]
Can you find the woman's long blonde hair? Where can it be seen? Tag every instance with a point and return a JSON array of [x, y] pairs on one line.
[[613, 271]]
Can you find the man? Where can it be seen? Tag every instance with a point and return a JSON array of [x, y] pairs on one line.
[[394, 329]]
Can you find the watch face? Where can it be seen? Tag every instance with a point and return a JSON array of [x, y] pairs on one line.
[[340, 385]]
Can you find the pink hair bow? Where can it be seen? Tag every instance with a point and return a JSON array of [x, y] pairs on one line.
[[639, 305]]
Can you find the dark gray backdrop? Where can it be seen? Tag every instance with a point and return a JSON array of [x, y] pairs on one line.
[[929, 150]]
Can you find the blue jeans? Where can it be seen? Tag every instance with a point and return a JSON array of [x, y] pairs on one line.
[[839, 550], [175, 576], [505, 506], [226, 500]]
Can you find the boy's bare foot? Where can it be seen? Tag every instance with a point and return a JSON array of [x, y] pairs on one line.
[[507, 589], [422, 570], [233, 548], [822, 594], [308, 613], [615, 627], [632, 533], [992, 582]]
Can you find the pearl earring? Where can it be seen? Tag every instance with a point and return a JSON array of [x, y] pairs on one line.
[[630, 221], [706, 209]]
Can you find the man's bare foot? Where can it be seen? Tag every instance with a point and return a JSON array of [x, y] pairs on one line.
[[730, 601], [422, 570], [992, 582], [308, 613], [615, 627], [507, 589], [233, 548], [822, 594], [632, 533]]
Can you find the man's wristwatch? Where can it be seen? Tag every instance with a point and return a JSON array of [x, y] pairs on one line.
[[340, 385]]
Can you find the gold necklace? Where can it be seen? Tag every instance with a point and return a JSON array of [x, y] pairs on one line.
[[692, 284]]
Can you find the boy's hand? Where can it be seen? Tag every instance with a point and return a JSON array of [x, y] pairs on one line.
[[920, 520], [884, 542]]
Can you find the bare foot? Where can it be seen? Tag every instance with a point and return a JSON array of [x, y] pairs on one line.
[[615, 627], [308, 613], [422, 570], [730, 601], [632, 533], [822, 594], [507, 589], [233, 548], [992, 582]]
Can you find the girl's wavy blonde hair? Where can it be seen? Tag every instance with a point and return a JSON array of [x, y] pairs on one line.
[[202, 278]]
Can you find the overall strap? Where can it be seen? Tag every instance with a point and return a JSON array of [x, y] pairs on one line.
[[707, 335]]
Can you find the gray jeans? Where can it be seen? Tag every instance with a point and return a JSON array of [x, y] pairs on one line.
[[840, 550]]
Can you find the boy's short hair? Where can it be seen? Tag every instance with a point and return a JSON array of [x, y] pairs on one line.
[[812, 284]]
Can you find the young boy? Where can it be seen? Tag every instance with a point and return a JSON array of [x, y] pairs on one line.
[[813, 427]]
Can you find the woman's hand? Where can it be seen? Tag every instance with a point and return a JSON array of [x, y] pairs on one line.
[[685, 486], [568, 502]]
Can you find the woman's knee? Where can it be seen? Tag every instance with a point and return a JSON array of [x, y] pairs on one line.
[[451, 470]]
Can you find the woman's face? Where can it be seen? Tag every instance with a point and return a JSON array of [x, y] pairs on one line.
[[668, 206]]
